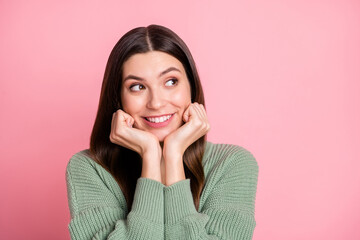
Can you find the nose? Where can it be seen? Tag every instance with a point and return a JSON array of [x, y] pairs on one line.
[[156, 99]]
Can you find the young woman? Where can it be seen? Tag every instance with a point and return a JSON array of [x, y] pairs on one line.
[[149, 172]]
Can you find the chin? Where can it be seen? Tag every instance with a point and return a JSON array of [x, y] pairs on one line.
[[161, 137]]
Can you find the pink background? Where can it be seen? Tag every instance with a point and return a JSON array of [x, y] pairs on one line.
[[281, 79]]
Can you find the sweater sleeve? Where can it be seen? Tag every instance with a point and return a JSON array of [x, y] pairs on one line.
[[228, 210], [98, 208]]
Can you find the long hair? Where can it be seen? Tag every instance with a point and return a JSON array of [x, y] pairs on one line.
[[115, 158]]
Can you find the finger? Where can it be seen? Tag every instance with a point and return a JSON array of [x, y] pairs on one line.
[[192, 112], [186, 114], [131, 121], [128, 122], [203, 116], [198, 110], [118, 121], [203, 111], [122, 117], [125, 118], [112, 130]]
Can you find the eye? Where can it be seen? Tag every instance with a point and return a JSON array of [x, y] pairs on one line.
[[136, 87], [171, 82]]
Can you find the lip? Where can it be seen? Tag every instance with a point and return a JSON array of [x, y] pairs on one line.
[[160, 124], [157, 116]]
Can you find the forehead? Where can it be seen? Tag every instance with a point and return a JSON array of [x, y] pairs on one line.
[[149, 63]]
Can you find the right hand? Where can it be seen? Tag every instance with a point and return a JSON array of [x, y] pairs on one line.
[[122, 133]]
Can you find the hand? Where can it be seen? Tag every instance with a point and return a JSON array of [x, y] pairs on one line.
[[123, 134], [196, 125], [144, 143]]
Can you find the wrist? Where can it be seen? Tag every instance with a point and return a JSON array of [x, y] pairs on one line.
[[151, 171], [151, 152], [172, 153], [174, 172], [151, 159]]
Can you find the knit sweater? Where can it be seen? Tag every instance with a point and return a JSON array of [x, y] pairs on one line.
[[226, 210]]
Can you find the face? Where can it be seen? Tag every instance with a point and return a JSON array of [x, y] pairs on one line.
[[155, 92]]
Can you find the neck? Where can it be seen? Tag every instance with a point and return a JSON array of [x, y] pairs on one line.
[[162, 166]]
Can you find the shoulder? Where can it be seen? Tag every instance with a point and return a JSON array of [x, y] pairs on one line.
[[90, 185], [231, 174], [80, 159], [82, 166], [227, 156]]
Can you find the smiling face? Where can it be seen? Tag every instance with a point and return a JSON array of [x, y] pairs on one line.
[[155, 92]]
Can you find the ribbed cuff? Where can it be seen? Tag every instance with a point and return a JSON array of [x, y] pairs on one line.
[[85, 225], [149, 200], [178, 201]]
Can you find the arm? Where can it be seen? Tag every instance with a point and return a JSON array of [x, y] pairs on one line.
[[98, 207], [228, 201]]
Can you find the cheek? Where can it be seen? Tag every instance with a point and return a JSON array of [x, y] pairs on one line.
[[182, 99], [131, 105]]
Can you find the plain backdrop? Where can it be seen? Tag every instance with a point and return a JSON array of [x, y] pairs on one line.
[[281, 79]]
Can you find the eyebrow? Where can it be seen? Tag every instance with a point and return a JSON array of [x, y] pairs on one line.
[[161, 74]]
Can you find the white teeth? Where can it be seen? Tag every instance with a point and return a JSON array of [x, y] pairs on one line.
[[160, 119]]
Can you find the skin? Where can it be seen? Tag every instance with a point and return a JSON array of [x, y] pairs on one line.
[[162, 148]]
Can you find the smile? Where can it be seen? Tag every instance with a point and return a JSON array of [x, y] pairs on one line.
[[158, 121]]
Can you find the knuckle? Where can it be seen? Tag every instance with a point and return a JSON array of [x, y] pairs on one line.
[[118, 112], [118, 132], [111, 138], [198, 124]]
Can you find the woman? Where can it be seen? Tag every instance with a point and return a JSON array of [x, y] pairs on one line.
[[149, 172]]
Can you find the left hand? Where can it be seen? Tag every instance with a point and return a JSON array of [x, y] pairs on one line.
[[196, 125]]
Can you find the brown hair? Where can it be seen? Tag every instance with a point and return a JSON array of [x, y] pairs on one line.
[[114, 158]]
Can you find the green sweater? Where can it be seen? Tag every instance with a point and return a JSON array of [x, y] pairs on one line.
[[226, 209]]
